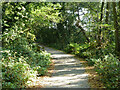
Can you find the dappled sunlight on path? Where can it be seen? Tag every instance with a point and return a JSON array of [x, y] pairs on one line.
[[68, 71]]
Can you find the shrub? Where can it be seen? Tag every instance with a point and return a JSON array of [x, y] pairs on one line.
[[91, 61], [18, 70], [16, 74], [80, 50], [84, 47], [109, 69], [21, 57], [40, 62], [72, 48]]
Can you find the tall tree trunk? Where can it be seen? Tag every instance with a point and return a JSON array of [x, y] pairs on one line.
[[119, 10], [83, 31], [119, 6], [117, 28], [107, 30], [100, 30], [107, 12]]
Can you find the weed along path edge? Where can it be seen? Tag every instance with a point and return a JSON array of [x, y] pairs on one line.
[[68, 71]]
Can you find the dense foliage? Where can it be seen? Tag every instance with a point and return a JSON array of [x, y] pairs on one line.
[[22, 58], [87, 29], [109, 69]]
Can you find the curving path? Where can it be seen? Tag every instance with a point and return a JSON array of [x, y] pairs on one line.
[[68, 71]]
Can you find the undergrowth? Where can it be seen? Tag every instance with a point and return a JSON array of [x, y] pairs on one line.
[[106, 63]]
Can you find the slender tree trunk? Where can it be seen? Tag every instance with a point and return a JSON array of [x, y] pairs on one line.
[[106, 36], [100, 30], [107, 12], [119, 10], [83, 31], [117, 29], [119, 5]]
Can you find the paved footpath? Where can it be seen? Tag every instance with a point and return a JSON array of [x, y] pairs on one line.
[[68, 71]]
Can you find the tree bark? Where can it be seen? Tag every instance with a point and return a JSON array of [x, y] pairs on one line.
[[83, 31], [117, 28], [107, 12], [107, 30], [100, 30], [119, 9]]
